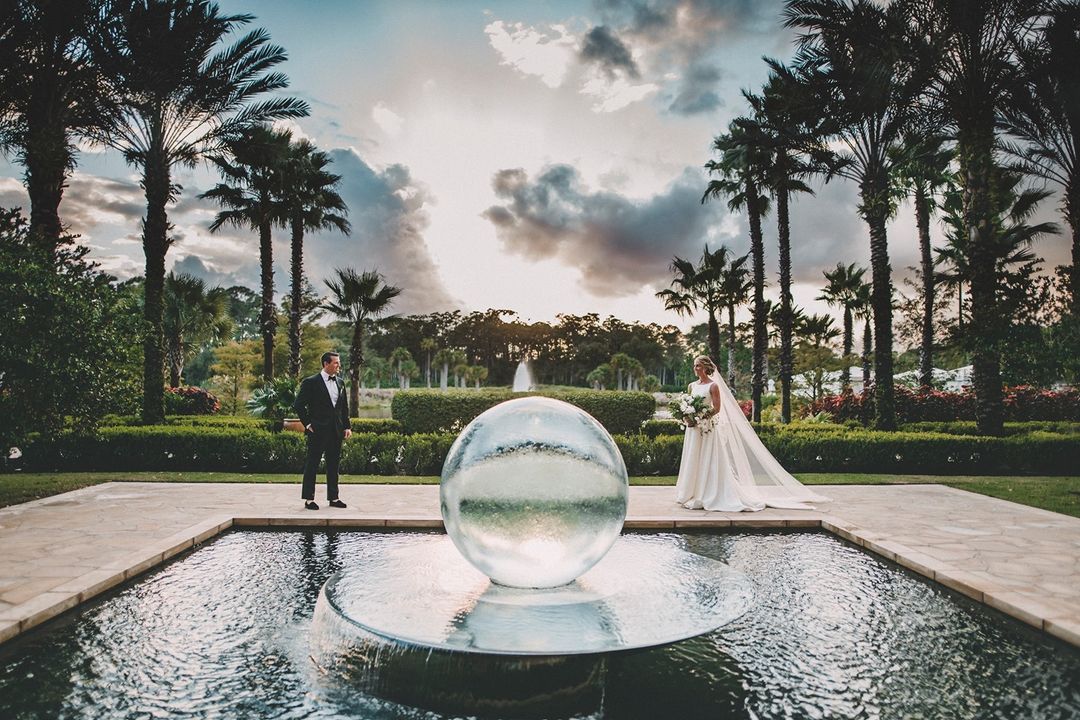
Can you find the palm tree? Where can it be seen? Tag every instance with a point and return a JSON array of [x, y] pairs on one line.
[[1013, 206], [795, 152], [922, 173], [250, 166], [428, 345], [179, 102], [735, 286], [868, 74], [741, 170], [697, 287], [976, 75], [399, 356], [1043, 114], [863, 309], [50, 94], [355, 298], [309, 201], [194, 316], [842, 290], [443, 359], [820, 329], [620, 362]]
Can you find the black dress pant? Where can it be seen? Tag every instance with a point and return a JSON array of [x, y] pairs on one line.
[[322, 441]]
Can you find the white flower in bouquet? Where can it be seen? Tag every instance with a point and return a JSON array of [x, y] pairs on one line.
[[692, 411]]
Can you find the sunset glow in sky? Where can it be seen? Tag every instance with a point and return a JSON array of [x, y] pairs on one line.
[[543, 157]]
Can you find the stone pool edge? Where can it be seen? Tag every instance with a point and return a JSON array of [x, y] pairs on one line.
[[1046, 614]]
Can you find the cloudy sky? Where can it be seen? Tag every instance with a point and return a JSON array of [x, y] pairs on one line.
[[543, 156]]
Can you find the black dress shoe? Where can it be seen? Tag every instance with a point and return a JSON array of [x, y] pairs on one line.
[[311, 505], [337, 504]]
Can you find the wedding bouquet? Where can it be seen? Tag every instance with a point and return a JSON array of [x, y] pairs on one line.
[[692, 411]]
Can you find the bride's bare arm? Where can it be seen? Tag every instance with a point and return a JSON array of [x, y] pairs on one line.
[[714, 396]]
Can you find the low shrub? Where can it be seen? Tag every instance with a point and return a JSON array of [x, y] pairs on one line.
[[657, 428], [449, 411], [968, 427], [188, 448], [807, 448], [379, 426], [218, 421], [190, 401]]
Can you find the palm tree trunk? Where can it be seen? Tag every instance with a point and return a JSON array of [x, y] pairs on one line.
[[1072, 216], [356, 360], [976, 163], [155, 245], [926, 346], [267, 313], [757, 252], [786, 361], [867, 352], [297, 290], [731, 348], [875, 210], [175, 359], [714, 334], [47, 159], [849, 340]]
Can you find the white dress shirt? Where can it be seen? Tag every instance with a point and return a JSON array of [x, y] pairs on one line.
[[331, 387]]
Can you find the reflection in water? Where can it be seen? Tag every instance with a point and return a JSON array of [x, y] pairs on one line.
[[224, 632]]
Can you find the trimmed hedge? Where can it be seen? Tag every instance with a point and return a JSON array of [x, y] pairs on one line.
[[1020, 403], [807, 448], [450, 411], [968, 427], [230, 450]]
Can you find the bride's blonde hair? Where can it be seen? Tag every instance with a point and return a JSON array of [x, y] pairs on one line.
[[707, 363]]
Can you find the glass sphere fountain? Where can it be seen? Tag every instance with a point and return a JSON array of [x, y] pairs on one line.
[[515, 610]]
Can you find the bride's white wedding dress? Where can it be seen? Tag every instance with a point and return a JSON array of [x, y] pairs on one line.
[[729, 469]]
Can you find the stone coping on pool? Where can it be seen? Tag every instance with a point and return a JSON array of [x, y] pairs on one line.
[[64, 550]]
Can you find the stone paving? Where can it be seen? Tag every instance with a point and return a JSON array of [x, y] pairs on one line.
[[63, 550]]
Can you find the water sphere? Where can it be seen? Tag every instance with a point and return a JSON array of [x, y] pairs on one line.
[[534, 492]]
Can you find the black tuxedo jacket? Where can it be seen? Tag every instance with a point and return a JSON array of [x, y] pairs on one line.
[[314, 408]]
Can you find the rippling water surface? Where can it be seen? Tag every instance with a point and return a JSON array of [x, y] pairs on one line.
[[835, 633]]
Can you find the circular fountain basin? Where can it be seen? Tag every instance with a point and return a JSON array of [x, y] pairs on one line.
[[415, 622]]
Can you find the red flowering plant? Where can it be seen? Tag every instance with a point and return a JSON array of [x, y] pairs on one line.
[[190, 401]]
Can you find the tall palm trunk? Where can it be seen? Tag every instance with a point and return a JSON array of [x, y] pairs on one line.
[[867, 352], [155, 245], [46, 157], [875, 210], [714, 333], [356, 360], [174, 357], [849, 341], [976, 166], [926, 346], [786, 360], [1072, 216], [731, 347], [757, 253], [297, 268], [267, 314]]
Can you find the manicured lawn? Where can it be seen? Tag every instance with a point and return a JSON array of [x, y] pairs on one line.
[[1059, 494]]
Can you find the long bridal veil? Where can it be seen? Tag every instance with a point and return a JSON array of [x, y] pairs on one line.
[[755, 467]]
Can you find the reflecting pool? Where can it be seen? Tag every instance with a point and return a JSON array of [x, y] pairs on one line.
[[223, 631]]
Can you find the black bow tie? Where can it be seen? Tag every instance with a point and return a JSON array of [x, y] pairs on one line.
[[332, 377]]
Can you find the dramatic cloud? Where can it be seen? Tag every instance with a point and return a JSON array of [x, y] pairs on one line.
[[603, 48], [388, 218], [543, 54], [697, 91], [617, 244]]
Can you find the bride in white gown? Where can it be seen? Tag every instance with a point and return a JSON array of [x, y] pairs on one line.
[[729, 469]]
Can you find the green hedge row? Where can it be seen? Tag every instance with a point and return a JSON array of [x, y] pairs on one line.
[[968, 427], [834, 449], [230, 450], [437, 411], [360, 425]]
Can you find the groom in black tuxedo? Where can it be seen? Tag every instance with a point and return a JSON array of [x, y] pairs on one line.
[[323, 408]]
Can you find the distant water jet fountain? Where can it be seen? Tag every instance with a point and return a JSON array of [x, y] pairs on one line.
[[523, 379]]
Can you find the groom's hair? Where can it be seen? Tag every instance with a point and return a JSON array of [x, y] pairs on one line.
[[326, 356]]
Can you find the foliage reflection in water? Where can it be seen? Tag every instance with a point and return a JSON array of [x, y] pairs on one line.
[[835, 632]]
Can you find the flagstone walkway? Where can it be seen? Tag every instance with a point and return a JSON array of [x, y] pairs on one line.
[[63, 550]]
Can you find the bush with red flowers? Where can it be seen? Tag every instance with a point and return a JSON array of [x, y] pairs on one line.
[[1021, 403], [190, 401]]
